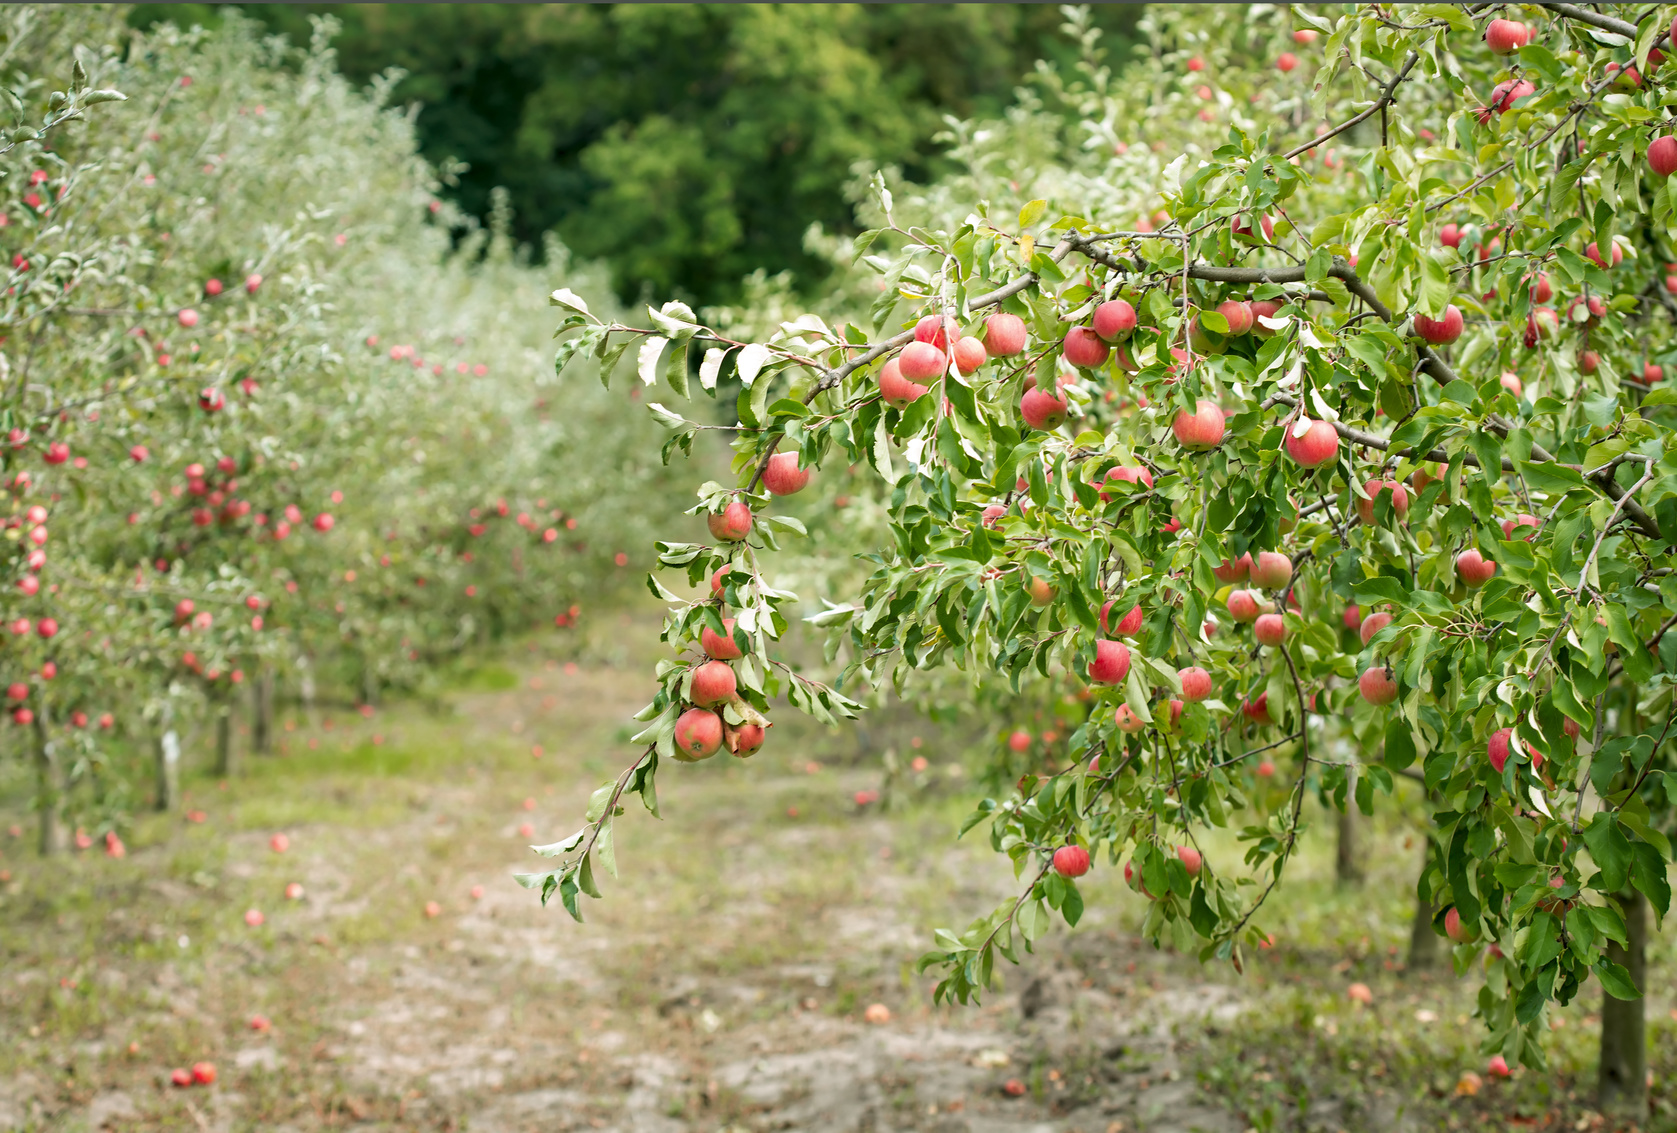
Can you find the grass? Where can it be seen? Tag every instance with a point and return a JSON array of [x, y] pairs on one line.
[[756, 921]]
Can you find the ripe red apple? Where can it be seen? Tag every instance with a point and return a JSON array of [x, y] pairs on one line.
[[1041, 591], [1004, 335], [1440, 332], [936, 330], [1475, 569], [57, 453], [47, 627], [1511, 382], [1128, 721], [1129, 474], [1272, 570], [1128, 626], [1071, 861], [252, 282], [1377, 488], [1083, 347], [1505, 95], [1450, 236], [1270, 629], [1497, 747], [17, 690], [1304, 36], [1196, 64], [203, 1073], [1521, 520], [1593, 254], [1190, 859], [921, 361], [1352, 618], [782, 476], [1541, 289], [1318, 445], [1652, 373], [1111, 664], [1257, 710], [1286, 61], [181, 1077], [1114, 320], [212, 287], [991, 516], [698, 733], [1234, 571], [1200, 430], [713, 683], [187, 317], [732, 524], [969, 355], [1240, 227], [1196, 683], [1237, 314], [1454, 929], [1504, 37], [717, 646], [1019, 741], [1373, 624], [745, 740], [895, 390], [1377, 686], [1246, 605], [1042, 410]]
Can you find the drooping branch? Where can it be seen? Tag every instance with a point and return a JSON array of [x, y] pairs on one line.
[[1380, 104]]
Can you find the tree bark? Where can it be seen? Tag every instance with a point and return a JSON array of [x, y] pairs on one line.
[[225, 766], [168, 768], [1423, 938], [262, 712], [49, 789], [1347, 863], [1622, 1088]]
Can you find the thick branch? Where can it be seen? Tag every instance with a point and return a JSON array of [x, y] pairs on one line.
[[1594, 19]]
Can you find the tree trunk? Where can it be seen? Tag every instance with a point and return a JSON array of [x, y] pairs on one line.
[[262, 712], [1423, 938], [1622, 1089], [49, 789], [1347, 864], [168, 769], [224, 764]]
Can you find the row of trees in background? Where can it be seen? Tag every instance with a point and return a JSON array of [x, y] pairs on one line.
[[1304, 406], [683, 145], [264, 418]]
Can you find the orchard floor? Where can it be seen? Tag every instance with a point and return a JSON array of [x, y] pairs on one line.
[[722, 983]]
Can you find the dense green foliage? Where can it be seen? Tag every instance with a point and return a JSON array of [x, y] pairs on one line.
[[684, 145], [1483, 386]]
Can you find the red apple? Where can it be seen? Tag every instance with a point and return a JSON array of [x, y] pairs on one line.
[[181, 1077], [1497, 747], [1042, 410], [1521, 520], [1454, 929], [720, 647], [1304, 36], [1593, 254], [1234, 571], [1377, 488], [1270, 629], [1114, 320], [1373, 624], [1318, 445], [1111, 664], [732, 524], [713, 683], [896, 390], [1541, 289], [921, 361], [1083, 347], [1200, 430], [698, 733], [1286, 61], [1652, 373], [782, 476], [1128, 721], [969, 355], [1042, 593], [1128, 626], [252, 282], [1257, 710], [1504, 37], [1377, 686], [1272, 570], [936, 330], [1019, 741], [745, 740], [1240, 227], [1004, 335], [1440, 332], [1237, 314], [187, 317], [47, 627], [1246, 605], [1475, 569], [1450, 236], [1196, 683], [1071, 861], [1190, 859]]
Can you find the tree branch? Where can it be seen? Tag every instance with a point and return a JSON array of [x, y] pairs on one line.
[[1380, 104]]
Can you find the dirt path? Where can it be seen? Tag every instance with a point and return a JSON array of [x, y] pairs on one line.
[[722, 984]]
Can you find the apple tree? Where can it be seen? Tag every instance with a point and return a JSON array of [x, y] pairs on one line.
[[1384, 326]]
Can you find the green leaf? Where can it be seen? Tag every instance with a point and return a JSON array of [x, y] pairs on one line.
[[1648, 874], [1610, 849], [1031, 213], [1400, 745], [1615, 981], [1435, 286], [1373, 591]]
